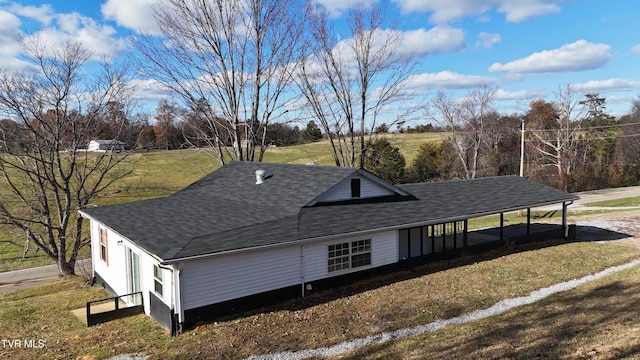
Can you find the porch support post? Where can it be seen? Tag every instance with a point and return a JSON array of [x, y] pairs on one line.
[[528, 221], [565, 225], [455, 234], [465, 233], [501, 226], [433, 239]]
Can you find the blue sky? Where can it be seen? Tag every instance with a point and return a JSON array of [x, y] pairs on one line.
[[526, 48]]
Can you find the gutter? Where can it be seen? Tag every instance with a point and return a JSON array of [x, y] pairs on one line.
[[359, 233]]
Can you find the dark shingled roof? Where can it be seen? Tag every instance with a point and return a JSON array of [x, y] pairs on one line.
[[226, 210]]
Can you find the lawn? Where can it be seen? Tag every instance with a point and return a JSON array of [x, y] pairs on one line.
[[594, 321], [402, 299], [161, 173], [632, 201]]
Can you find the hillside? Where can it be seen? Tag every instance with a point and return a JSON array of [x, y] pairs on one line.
[[161, 173]]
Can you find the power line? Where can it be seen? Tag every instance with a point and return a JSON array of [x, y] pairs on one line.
[[587, 138], [582, 128]]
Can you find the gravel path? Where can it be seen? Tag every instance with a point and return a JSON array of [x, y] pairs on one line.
[[497, 309]]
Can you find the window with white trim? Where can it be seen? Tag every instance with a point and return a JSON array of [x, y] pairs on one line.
[[158, 285], [104, 253], [349, 255]]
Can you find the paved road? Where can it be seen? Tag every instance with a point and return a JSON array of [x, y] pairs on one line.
[[587, 197], [20, 279], [607, 194]]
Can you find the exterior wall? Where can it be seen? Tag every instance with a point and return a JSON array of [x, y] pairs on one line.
[[384, 251], [342, 191], [213, 280], [115, 272], [221, 278]]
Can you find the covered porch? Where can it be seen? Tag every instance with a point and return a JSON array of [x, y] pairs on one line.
[[456, 235]]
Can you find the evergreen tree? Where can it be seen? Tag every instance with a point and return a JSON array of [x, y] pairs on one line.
[[384, 160], [311, 133]]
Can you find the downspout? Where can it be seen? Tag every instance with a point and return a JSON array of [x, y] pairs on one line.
[[172, 301], [178, 296]]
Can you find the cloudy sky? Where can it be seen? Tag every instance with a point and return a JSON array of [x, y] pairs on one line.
[[526, 48]]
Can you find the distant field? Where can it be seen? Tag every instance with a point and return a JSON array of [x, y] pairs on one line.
[[161, 173], [320, 152]]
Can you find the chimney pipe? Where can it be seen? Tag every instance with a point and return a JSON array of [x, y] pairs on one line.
[[260, 176]]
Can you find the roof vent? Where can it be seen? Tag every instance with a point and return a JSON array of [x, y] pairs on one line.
[[260, 176]]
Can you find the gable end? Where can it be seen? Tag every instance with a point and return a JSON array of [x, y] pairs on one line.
[[360, 185]]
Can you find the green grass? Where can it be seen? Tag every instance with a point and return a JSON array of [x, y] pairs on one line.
[[161, 173], [397, 300], [320, 152], [632, 201]]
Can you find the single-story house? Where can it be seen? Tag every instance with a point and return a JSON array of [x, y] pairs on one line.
[[255, 228], [106, 145]]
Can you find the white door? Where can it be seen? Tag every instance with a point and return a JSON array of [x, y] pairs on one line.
[[133, 277]]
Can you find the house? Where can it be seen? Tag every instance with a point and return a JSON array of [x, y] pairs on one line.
[[261, 228], [106, 145]]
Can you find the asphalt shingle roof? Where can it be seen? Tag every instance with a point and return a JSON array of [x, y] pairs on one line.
[[226, 210]]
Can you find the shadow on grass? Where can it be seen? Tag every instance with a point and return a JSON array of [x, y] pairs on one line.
[[594, 323], [363, 281]]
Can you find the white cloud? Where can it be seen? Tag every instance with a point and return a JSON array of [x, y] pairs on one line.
[[100, 39], [10, 42], [447, 80], [577, 56], [636, 49], [9, 34], [610, 85], [150, 91], [337, 7], [43, 14], [445, 11], [518, 95], [133, 14], [486, 40], [439, 39], [518, 11]]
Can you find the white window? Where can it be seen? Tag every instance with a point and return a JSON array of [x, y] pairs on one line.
[[349, 255], [157, 280], [104, 252]]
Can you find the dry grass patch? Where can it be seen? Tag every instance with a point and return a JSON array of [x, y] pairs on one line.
[[594, 321], [398, 300]]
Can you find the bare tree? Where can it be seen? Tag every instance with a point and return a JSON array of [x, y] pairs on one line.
[[466, 122], [45, 176], [554, 131], [231, 60], [349, 79]]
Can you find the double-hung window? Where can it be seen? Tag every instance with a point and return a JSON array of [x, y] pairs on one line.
[[349, 255], [158, 285], [104, 250]]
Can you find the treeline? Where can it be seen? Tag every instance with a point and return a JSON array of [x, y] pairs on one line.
[[572, 145]]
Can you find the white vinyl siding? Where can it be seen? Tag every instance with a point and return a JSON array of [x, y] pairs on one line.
[[222, 278], [115, 274], [342, 191], [384, 251]]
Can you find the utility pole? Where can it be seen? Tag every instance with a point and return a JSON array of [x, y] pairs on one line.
[[521, 155], [522, 149]]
